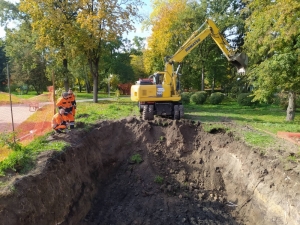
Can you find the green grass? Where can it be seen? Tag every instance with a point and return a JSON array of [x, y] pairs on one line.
[[84, 95], [21, 98], [30, 94], [22, 158], [18, 97], [5, 98], [258, 139], [268, 118], [265, 121], [79, 95], [89, 112]]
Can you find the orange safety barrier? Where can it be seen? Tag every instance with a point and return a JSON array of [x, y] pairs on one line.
[[27, 124]]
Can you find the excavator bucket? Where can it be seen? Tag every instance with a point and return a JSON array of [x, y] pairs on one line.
[[240, 61]]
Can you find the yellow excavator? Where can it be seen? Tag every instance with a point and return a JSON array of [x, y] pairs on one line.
[[160, 94]]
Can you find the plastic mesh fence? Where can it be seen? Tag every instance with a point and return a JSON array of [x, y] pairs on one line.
[[29, 118]]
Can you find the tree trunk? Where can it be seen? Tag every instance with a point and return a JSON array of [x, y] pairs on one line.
[[87, 85], [202, 79], [95, 88], [66, 78], [80, 87], [291, 109], [94, 70]]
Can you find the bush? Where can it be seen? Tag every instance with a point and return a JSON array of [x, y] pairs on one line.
[[185, 97], [216, 98], [204, 93], [244, 99], [198, 98]]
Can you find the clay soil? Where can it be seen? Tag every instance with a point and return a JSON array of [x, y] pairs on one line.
[[185, 176]]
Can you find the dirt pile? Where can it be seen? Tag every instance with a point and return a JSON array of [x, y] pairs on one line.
[[185, 176]]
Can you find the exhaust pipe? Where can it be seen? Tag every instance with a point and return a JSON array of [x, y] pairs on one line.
[[240, 61]]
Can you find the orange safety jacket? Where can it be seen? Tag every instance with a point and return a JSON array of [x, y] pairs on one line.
[[59, 121], [64, 103], [73, 102], [72, 99]]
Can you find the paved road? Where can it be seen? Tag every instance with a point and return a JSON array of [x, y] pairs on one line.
[[18, 114]]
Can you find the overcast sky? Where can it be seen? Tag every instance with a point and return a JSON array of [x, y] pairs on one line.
[[146, 11]]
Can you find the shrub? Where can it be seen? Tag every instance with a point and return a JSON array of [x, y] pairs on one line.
[[185, 97], [204, 93], [244, 99], [216, 98], [198, 98]]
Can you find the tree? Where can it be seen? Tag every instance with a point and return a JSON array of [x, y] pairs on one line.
[[70, 28], [54, 23], [117, 61], [8, 13], [159, 43], [28, 64], [173, 22], [137, 49], [137, 65], [79, 69], [101, 22], [3, 76], [273, 44]]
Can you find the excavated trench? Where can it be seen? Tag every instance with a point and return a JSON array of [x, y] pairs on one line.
[[185, 176]]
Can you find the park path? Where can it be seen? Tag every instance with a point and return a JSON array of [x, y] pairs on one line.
[[17, 113]]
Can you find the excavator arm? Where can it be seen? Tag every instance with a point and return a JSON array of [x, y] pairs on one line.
[[239, 60]]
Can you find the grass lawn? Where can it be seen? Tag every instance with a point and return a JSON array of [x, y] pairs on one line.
[[269, 118], [84, 95], [5, 98], [105, 109], [18, 98], [30, 94]]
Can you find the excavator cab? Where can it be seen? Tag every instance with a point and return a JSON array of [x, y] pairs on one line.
[[240, 61]]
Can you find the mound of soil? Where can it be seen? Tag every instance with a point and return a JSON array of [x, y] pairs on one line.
[[158, 172]]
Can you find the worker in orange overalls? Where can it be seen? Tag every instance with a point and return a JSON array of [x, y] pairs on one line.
[[65, 103], [73, 101], [59, 123]]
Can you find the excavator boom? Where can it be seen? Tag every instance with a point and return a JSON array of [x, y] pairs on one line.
[[239, 60]]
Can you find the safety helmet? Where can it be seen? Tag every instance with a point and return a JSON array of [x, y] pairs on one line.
[[65, 94]]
